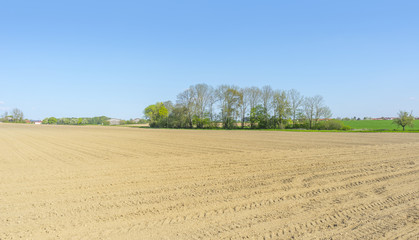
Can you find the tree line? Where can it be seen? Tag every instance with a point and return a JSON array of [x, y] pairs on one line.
[[102, 120], [16, 116], [229, 106]]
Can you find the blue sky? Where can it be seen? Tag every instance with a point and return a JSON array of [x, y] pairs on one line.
[[113, 58]]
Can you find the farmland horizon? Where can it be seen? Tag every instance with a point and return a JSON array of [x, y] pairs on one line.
[[6, 109], [141, 116]]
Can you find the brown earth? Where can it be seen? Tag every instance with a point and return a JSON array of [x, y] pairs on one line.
[[63, 182]]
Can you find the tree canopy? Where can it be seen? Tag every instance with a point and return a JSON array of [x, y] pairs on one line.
[[404, 119], [157, 114], [229, 106]]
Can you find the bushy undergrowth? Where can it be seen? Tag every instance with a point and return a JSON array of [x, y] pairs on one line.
[[321, 125], [331, 125]]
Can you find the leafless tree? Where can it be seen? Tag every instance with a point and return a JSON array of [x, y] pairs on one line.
[[229, 97], [4, 117], [185, 99], [202, 97], [17, 115], [280, 104], [254, 97], [267, 94], [169, 106], [314, 109], [245, 95], [212, 100], [296, 101]]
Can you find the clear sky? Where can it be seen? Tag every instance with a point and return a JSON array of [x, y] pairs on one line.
[[113, 58]]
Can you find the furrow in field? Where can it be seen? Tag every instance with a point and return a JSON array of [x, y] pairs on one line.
[[106, 183]]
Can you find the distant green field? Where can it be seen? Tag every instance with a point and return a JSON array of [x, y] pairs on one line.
[[378, 124]]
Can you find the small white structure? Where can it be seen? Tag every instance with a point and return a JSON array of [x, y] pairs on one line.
[[114, 121], [37, 122]]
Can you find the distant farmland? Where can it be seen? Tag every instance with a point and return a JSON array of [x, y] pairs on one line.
[[378, 124]]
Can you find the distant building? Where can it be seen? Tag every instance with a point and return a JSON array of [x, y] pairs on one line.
[[384, 118], [114, 121], [35, 121], [136, 120]]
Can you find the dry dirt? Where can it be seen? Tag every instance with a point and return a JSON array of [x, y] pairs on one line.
[[63, 182]]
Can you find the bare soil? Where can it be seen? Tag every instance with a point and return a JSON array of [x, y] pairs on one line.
[[64, 182]]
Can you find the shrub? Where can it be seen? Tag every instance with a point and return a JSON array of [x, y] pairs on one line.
[[346, 128], [331, 125], [334, 125]]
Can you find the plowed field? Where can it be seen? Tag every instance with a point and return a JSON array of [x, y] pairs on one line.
[[63, 182]]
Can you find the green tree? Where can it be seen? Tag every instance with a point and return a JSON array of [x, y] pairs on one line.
[[281, 107], [149, 112], [73, 121], [259, 117], [178, 118], [45, 121], [230, 102], [163, 112], [255, 97], [245, 97], [52, 120], [157, 114], [404, 119], [102, 120], [66, 121]]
